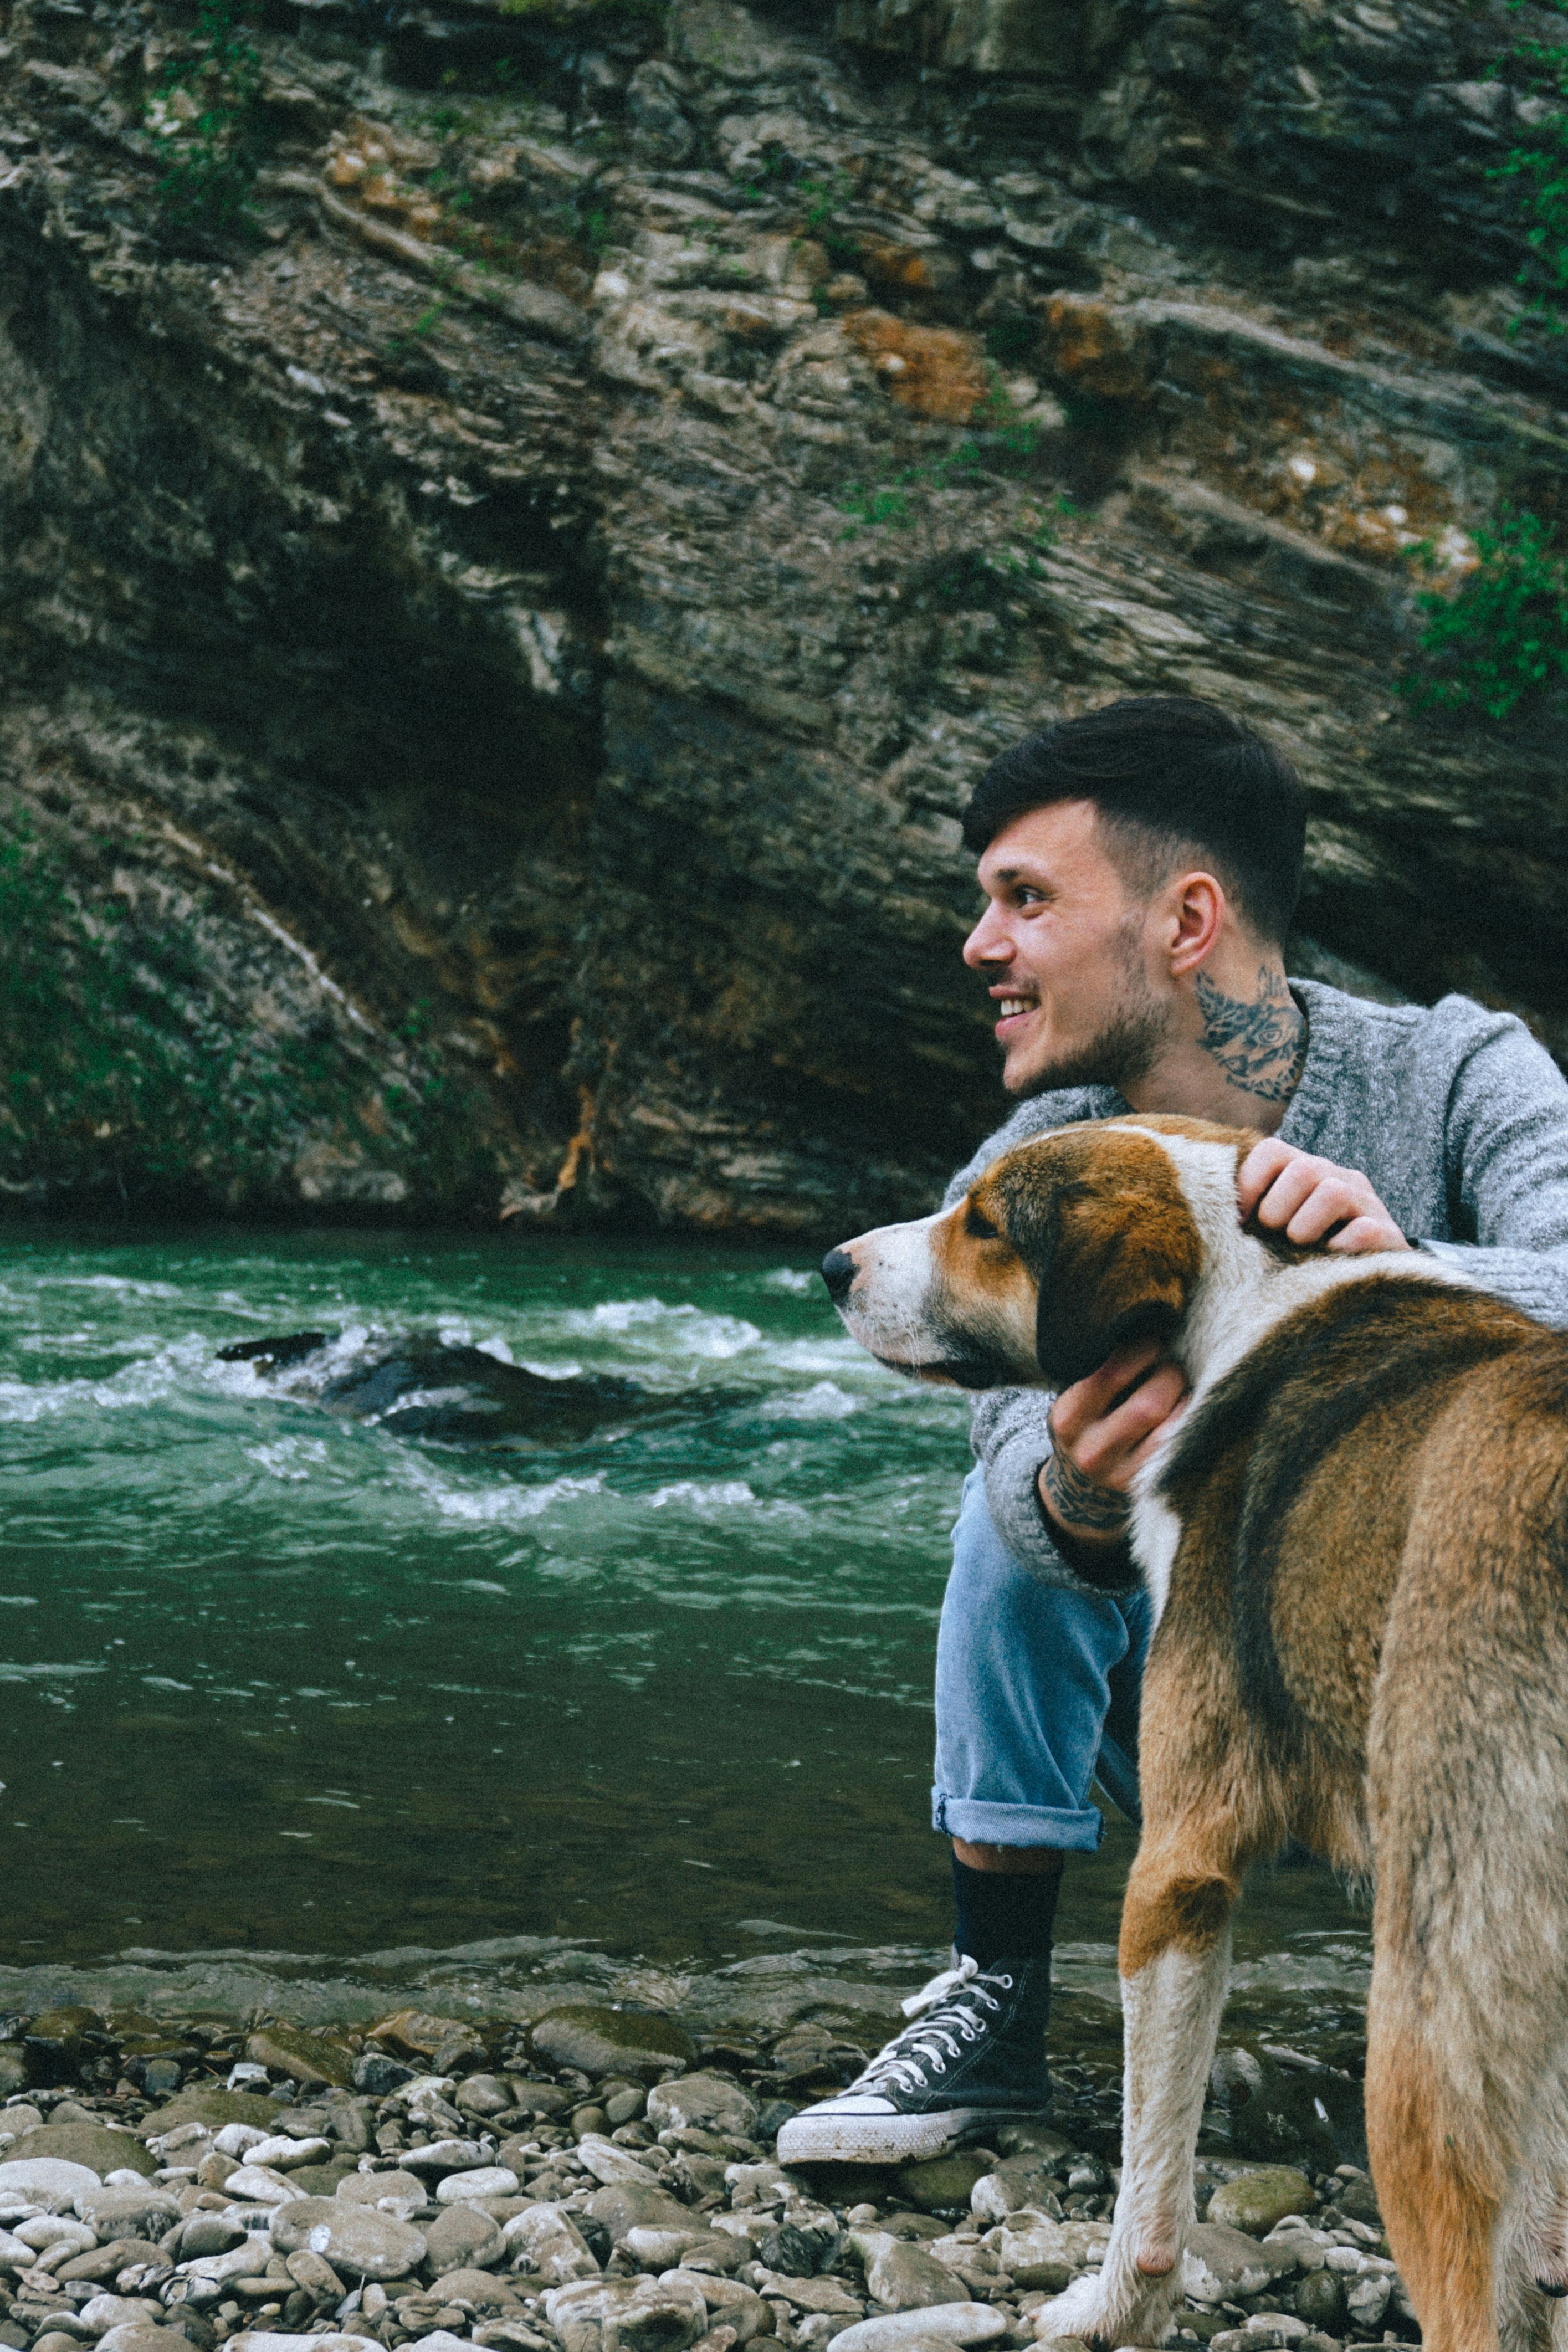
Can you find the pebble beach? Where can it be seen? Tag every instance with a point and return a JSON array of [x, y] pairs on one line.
[[601, 2180]]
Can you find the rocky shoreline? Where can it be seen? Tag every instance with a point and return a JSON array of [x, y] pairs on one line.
[[597, 2181]]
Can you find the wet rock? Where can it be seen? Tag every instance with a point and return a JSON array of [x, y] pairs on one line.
[[546, 2241], [609, 2162], [627, 2204], [1282, 2117], [1022, 2180], [1221, 2264], [479, 2289], [462, 2237], [45, 2177], [484, 2180], [737, 2306], [257, 2184], [1255, 2201], [954, 2323], [377, 2075], [105, 2262], [1036, 2252], [52, 2044], [356, 2240], [1367, 2299], [212, 2106], [703, 2101], [399, 2193], [813, 2295], [483, 2095], [595, 2041], [91, 2144], [906, 2278], [102, 2312], [439, 2157], [642, 2315], [317, 2277], [791, 2251], [144, 2213], [1321, 2301], [944, 2184], [657, 2249], [1357, 2200], [146, 2334], [310, 2059], [323, 2179]]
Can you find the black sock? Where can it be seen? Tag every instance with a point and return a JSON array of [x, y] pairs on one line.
[[1004, 1915]]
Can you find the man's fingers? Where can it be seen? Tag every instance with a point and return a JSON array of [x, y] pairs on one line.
[[1294, 1184], [1105, 1451], [1088, 1399], [1258, 1170], [1332, 1203], [1366, 1234]]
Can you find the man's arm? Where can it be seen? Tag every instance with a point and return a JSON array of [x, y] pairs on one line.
[[1507, 1149]]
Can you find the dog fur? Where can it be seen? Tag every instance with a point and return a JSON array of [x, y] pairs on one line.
[[1356, 1542]]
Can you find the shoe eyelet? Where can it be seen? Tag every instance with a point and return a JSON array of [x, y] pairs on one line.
[[941, 2065], [1006, 1984]]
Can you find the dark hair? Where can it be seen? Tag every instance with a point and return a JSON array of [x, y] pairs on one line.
[[1166, 772]]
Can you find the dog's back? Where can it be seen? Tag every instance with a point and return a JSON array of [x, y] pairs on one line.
[[1371, 1591]]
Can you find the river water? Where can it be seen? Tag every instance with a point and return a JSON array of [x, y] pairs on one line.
[[306, 1713]]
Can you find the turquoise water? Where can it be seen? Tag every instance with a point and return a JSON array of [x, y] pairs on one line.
[[307, 1711]]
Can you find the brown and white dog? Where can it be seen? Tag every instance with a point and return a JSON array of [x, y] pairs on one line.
[[1356, 1543]]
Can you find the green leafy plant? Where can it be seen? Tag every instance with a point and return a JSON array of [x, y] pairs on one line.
[[1007, 447], [118, 1071], [206, 118], [1540, 163], [1503, 635]]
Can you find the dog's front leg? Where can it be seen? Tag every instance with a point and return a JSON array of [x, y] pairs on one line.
[[1179, 1936]]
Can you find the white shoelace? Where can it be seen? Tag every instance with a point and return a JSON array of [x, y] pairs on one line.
[[949, 1999]]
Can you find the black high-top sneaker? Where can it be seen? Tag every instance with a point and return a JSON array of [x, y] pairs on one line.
[[973, 2057]]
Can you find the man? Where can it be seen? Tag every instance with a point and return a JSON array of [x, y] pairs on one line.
[[1140, 866]]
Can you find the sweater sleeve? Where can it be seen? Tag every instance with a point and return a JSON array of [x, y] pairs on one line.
[[1506, 1144], [1010, 1438]]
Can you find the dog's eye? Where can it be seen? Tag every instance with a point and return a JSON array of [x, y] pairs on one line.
[[979, 1228]]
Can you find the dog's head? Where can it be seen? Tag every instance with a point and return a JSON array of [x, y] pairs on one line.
[[1067, 1249]]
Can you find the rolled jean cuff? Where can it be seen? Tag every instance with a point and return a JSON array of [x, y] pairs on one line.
[[1076, 1829]]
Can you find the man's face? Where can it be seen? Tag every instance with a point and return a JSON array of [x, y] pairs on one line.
[[1064, 947]]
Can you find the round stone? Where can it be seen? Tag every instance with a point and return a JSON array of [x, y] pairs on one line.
[[91, 2144], [1321, 2301], [1254, 2201], [599, 2040], [489, 2180], [46, 2176], [400, 2193], [942, 2184], [462, 2239], [355, 2239]]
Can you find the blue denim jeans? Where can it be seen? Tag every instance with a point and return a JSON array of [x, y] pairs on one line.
[[1037, 1694]]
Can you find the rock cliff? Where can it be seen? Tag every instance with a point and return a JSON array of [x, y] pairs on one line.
[[499, 631]]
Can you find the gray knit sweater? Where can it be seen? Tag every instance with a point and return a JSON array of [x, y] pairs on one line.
[[1457, 1114]]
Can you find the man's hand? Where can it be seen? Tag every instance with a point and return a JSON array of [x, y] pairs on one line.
[[1306, 1197], [1102, 1429]]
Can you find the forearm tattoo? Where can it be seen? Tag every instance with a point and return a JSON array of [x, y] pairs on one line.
[[1261, 1046], [1082, 1505]]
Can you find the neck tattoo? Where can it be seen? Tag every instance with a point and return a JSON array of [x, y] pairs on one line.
[[1260, 1045]]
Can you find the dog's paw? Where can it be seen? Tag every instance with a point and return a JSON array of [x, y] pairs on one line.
[[1084, 2311], [1100, 2318]]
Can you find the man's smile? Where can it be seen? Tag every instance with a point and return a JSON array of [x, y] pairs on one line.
[[1010, 1010]]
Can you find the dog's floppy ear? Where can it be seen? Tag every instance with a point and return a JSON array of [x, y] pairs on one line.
[[1101, 1221]]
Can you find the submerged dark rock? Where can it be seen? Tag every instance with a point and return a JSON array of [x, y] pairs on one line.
[[422, 1387]]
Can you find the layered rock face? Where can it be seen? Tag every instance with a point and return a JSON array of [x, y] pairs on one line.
[[498, 643]]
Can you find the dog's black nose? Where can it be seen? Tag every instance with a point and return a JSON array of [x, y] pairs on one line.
[[838, 1273]]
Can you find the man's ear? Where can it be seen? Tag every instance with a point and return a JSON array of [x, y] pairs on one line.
[[1112, 1244]]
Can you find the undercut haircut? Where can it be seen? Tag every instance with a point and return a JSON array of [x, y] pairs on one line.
[[1175, 782]]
